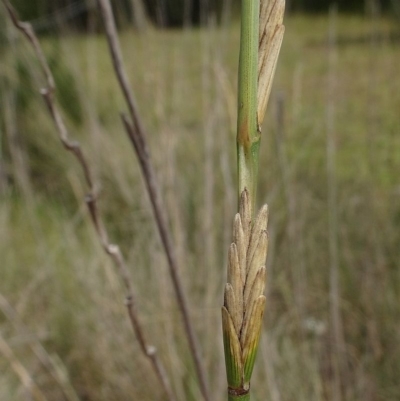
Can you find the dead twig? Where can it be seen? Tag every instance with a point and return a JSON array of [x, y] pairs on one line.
[[91, 200], [137, 136]]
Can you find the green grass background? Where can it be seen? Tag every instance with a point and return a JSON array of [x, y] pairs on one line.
[[67, 293]]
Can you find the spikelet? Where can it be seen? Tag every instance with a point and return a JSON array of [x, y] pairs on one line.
[[233, 352], [244, 302]]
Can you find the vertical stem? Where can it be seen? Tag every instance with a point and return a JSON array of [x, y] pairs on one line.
[[137, 136], [248, 135], [246, 280]]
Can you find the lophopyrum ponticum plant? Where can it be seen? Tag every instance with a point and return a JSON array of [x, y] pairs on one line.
[[244, 302]]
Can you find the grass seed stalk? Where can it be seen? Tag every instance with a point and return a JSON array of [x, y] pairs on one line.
[[244, 302]]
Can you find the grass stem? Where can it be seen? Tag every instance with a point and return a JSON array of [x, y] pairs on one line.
[[248, 135], [244, 301]]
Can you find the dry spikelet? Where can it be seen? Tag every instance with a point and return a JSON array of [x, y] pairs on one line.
[[260, 225], [257, 261], [251, 340], [240, 240], [245, 215], [257, 289], [244, 301], [233, 352]]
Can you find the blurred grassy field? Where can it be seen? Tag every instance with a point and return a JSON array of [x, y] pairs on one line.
[[67, 295]]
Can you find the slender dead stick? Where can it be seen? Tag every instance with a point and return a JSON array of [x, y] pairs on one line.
[[91, 200], [137, 135]]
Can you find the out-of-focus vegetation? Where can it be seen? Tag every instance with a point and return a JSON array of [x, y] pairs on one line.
[[82, 13], [67, 293]]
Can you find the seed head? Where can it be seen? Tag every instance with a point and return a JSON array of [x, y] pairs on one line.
[[244, 302]]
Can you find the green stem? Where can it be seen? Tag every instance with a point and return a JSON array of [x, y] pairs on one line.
[[248, 141], [248, 136]]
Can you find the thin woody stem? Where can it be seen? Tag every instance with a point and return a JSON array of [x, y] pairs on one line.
[[137, 136], [91, 200]]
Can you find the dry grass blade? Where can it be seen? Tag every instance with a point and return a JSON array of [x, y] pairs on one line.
[[271, 33]]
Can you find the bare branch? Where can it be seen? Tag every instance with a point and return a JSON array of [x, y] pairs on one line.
[[27, 30], [91, 200], [73, 147], [136, 133], [155, 198]]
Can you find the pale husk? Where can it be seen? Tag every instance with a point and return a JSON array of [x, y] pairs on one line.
[[271, 33]]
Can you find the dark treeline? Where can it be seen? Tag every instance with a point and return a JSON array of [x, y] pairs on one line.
[[169, 13]]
